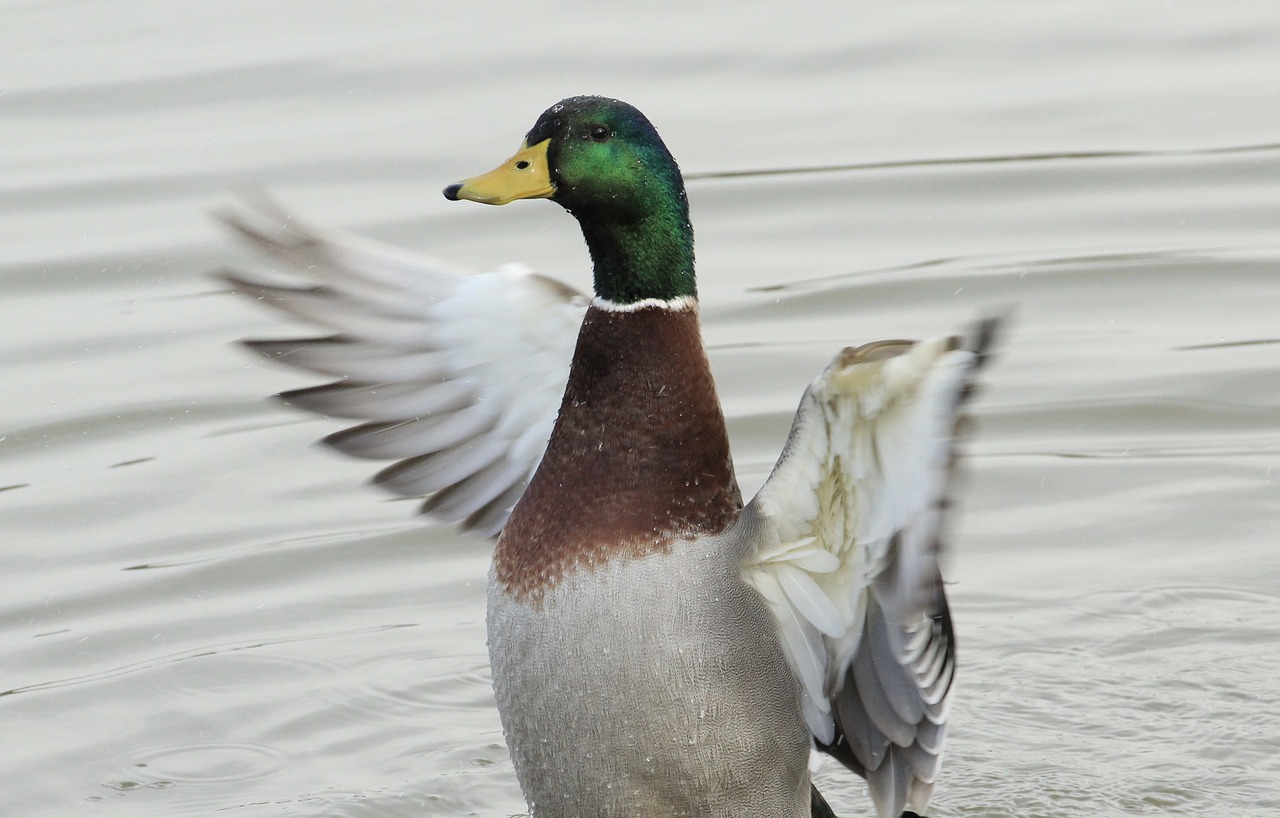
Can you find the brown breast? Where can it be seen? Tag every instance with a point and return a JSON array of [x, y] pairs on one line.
[[638, 459]]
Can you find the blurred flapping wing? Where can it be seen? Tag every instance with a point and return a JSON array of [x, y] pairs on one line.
[[456, 377]]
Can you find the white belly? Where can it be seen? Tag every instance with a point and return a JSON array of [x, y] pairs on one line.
[[651, 687]]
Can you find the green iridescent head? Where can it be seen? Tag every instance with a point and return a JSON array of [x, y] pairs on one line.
[[604, 162]]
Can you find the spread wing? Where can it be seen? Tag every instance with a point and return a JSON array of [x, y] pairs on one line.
[[852, 524], [457, 378]]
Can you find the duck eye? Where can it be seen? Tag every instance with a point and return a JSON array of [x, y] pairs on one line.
[[599, 133]]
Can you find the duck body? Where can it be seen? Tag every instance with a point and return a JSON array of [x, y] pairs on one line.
[[658, 648], [622, 637]]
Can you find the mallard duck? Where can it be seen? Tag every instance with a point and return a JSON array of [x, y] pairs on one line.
[[658, 647]]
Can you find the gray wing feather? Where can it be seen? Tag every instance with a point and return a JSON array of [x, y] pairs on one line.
[[337, 356], [457, 377]]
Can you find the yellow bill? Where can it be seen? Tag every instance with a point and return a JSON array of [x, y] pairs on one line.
[[524, 176]]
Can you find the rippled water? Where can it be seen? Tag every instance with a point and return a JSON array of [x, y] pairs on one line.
[[202, 614]]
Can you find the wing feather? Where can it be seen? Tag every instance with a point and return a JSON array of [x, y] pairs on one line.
[[807, 597], [471, 495], [490, 519], [802, 644], [457, 377], [388, 440], [854, 515], [338, 356]]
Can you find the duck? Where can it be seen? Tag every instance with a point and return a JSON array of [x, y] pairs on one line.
[[658, 646]]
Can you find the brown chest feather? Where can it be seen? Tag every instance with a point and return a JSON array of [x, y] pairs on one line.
[[639, 457]]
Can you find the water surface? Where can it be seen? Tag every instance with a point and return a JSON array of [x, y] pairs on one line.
[[203, 614]]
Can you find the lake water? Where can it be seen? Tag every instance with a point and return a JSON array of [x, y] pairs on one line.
[[202, 614]]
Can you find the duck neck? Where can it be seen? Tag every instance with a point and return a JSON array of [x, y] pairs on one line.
[[646, 258]]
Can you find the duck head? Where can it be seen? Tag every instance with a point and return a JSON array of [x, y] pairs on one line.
[[604, 162]]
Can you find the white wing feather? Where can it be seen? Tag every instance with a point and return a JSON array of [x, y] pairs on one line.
[[853, 516], [456, 376]]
